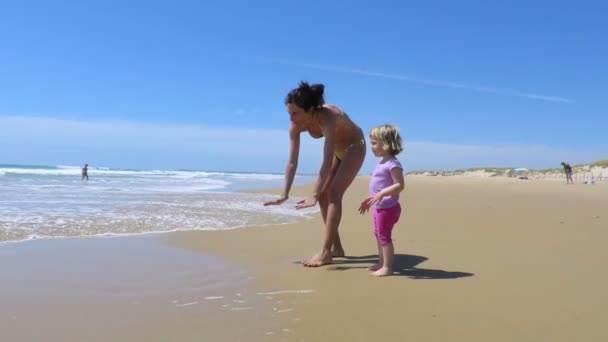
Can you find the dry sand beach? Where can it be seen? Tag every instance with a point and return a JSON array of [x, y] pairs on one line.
[[477, 259]]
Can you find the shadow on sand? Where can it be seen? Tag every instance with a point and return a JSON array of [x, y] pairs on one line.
[[404, 265]]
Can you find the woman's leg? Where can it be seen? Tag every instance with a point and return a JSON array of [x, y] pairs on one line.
[[345, 174], [337, 250]]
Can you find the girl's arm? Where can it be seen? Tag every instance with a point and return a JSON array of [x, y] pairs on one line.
[[397, 186], [292, 164]]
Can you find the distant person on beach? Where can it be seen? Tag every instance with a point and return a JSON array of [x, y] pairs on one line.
[[85, 172], [384, 188], [343, 155], [568, 172]]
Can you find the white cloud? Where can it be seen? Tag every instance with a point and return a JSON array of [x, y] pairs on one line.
[[444, 156], [129, 143], [36, 140], [62, 132]]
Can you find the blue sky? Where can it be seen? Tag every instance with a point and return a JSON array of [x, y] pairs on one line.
[[200, 85]]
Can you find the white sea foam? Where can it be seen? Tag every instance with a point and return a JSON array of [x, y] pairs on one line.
[[285, 310], [187, 304], [65, 170], [52, 202], [284, 292]]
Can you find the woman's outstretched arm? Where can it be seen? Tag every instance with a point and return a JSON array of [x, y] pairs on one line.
[[292, 164]]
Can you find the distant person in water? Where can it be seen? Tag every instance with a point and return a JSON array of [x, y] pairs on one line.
[[568, 172], [343, 155], [85, 172]]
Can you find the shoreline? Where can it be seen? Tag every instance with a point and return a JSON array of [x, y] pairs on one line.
[[305, 215], [300, 190]]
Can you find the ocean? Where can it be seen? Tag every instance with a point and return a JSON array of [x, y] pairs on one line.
[[51, 202]]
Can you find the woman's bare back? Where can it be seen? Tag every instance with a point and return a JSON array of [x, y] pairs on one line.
[[347, 132]]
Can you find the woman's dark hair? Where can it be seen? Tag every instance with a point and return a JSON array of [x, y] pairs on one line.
[[307, 96]]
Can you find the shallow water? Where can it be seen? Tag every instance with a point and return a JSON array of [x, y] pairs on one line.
[[41, 202]]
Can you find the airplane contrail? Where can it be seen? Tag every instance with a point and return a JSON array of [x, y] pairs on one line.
[[425, 81]]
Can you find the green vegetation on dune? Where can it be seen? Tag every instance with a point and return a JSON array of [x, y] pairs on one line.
[[486, 169], [549, 170], [506, 171], [600, 163]]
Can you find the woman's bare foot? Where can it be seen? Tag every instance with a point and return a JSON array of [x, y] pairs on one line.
[[337, 253], [375, 267], [320, 259], [383, 272]]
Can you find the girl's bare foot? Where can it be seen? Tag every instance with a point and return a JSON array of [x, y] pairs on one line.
[[320, 259], [375, 267], [383, 272]]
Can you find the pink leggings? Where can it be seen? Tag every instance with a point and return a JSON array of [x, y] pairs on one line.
[[384, 221]]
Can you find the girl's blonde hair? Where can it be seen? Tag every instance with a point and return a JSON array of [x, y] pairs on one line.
[[388, 135]]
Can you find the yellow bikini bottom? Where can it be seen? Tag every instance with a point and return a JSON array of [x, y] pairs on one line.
[[342, 154]]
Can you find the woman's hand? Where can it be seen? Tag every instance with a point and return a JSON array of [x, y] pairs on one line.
[[307, 203], [277, 201]]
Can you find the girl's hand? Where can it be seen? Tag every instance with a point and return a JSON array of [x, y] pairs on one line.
[[277, 201], [374, 200], [368, 203], [307, 203]]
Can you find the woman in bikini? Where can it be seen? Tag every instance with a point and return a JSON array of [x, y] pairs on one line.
[[343, 155]]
